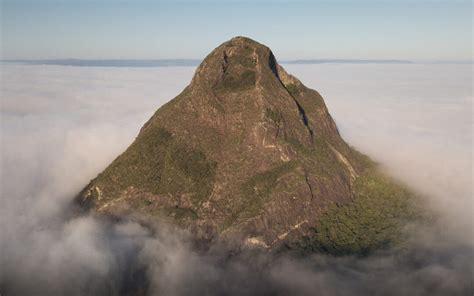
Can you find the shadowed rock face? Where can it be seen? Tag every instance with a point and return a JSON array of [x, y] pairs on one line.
[[247, 152]]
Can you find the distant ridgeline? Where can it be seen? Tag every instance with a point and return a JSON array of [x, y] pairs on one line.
[[126, 63], [347, 61], [144, 63]]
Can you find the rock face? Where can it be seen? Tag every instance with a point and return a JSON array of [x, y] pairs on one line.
[[247, 152]]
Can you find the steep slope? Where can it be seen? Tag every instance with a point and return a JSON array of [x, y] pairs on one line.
[[247, 152]]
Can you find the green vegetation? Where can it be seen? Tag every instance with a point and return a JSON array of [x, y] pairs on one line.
[[186, 171], [244, 58], [245, 81], [319, 157], [178, 214], [240, 73], [261, 184], [139, 165], [372, 221], [258, 188], [160, 164], [146, 202], [256, 191], [292, 89], [361, 159], [274, 115]]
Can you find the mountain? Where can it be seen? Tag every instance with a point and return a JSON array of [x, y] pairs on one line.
[[247, 153]]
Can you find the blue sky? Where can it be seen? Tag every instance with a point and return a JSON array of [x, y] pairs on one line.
[[415, 30]]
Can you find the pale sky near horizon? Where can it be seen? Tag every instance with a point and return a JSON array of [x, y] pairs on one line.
[[105, 29]]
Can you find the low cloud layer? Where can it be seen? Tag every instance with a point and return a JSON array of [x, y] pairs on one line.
[[416, 120], [62, 125]]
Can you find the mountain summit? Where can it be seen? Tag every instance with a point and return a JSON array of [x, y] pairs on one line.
[[248, 153]]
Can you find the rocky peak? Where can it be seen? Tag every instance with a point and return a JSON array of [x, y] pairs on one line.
[[236, 65], [246, 152]]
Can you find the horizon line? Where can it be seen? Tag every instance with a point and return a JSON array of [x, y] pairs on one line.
[[150, 63]]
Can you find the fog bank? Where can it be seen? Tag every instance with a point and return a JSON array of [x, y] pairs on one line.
[[61, 125], [416, 120]]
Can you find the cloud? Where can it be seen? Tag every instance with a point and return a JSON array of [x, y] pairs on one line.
[[62, 125], [416, 120]]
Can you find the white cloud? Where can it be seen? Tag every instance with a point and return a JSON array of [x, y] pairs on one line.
[[62, 125], [416, 120]]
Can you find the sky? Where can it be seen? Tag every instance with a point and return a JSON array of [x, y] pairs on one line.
[[105, 29]]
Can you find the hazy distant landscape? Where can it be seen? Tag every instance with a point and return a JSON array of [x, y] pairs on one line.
[[415, 119], [143, 63]]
